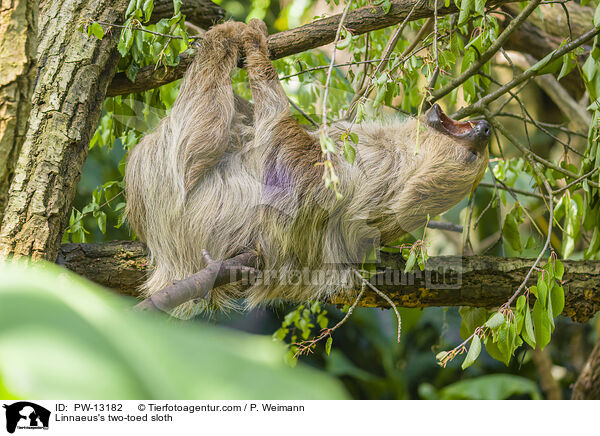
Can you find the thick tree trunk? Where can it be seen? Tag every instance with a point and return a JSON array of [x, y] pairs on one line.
[[587, 386], [478, 281], [18, 27], [75, 70]]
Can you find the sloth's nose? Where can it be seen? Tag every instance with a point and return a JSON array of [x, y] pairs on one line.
[[482, 130], [479, 135]]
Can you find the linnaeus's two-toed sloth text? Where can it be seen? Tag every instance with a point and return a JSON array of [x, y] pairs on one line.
[[221, 175]]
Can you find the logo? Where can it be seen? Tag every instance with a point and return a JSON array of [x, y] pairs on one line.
[[26, 415]]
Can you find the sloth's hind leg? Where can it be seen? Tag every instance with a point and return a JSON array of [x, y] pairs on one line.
[[202, 115]]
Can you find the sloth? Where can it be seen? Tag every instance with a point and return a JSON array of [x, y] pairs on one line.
[[221, 174]]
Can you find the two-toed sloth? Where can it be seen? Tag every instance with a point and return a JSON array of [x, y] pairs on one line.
[[221, 175]]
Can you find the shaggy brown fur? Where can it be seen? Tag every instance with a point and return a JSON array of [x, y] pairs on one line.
[[212, 176]]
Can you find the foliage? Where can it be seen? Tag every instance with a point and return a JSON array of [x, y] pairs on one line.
[[488, 387], [63, 337]]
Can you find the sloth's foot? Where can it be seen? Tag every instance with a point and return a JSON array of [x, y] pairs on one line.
[[255, 36], [228, 30], [258, 25]]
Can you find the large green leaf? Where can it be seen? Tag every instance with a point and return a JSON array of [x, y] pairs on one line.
[[64, 337], [491, 387]]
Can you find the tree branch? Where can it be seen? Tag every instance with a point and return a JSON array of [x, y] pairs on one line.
[[315, 34], [202, 13], [478, 281], [489, 53], [526, 75]]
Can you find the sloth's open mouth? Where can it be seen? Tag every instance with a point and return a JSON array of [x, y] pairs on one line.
[[475, 134]]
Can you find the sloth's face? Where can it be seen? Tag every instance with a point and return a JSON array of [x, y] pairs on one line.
[[472, 136]]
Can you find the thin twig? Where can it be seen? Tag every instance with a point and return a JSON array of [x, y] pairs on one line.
[[387, 51], [304, 114], [305, 346], [511, 138], [324, 67], [143, 29], [585, 176], [385, 297], [332, 63]]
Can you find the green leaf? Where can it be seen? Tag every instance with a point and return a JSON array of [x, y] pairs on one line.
[[510, 229], [597, 16], [126, 40], [542, 62], [94, 347], [130, 8], [557, 298], [521, 303], [491, 387], [327, 144], [360, 113], [386, 5], [349, 152], [410, 263], [328, 345], [530, 242], [541, 322], [344, 43], [542, 292], [550, 313], [572, 226], [568, 64], [494, 351], [466, 7], [101, 220], [176, 6], [96, 30], [527, 333], [559, 269], [473, 353], [148, 7], [480, 6], [471, 318], [381, 90], [495, 321], [589, 68]]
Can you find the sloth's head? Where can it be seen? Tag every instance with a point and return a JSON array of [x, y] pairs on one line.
[[473, 136], [460, 148]]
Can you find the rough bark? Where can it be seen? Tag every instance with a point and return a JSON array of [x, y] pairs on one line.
[[203, 13], [477, 281], [315, 34], [587, 386], [74, 73], [18, 27]]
